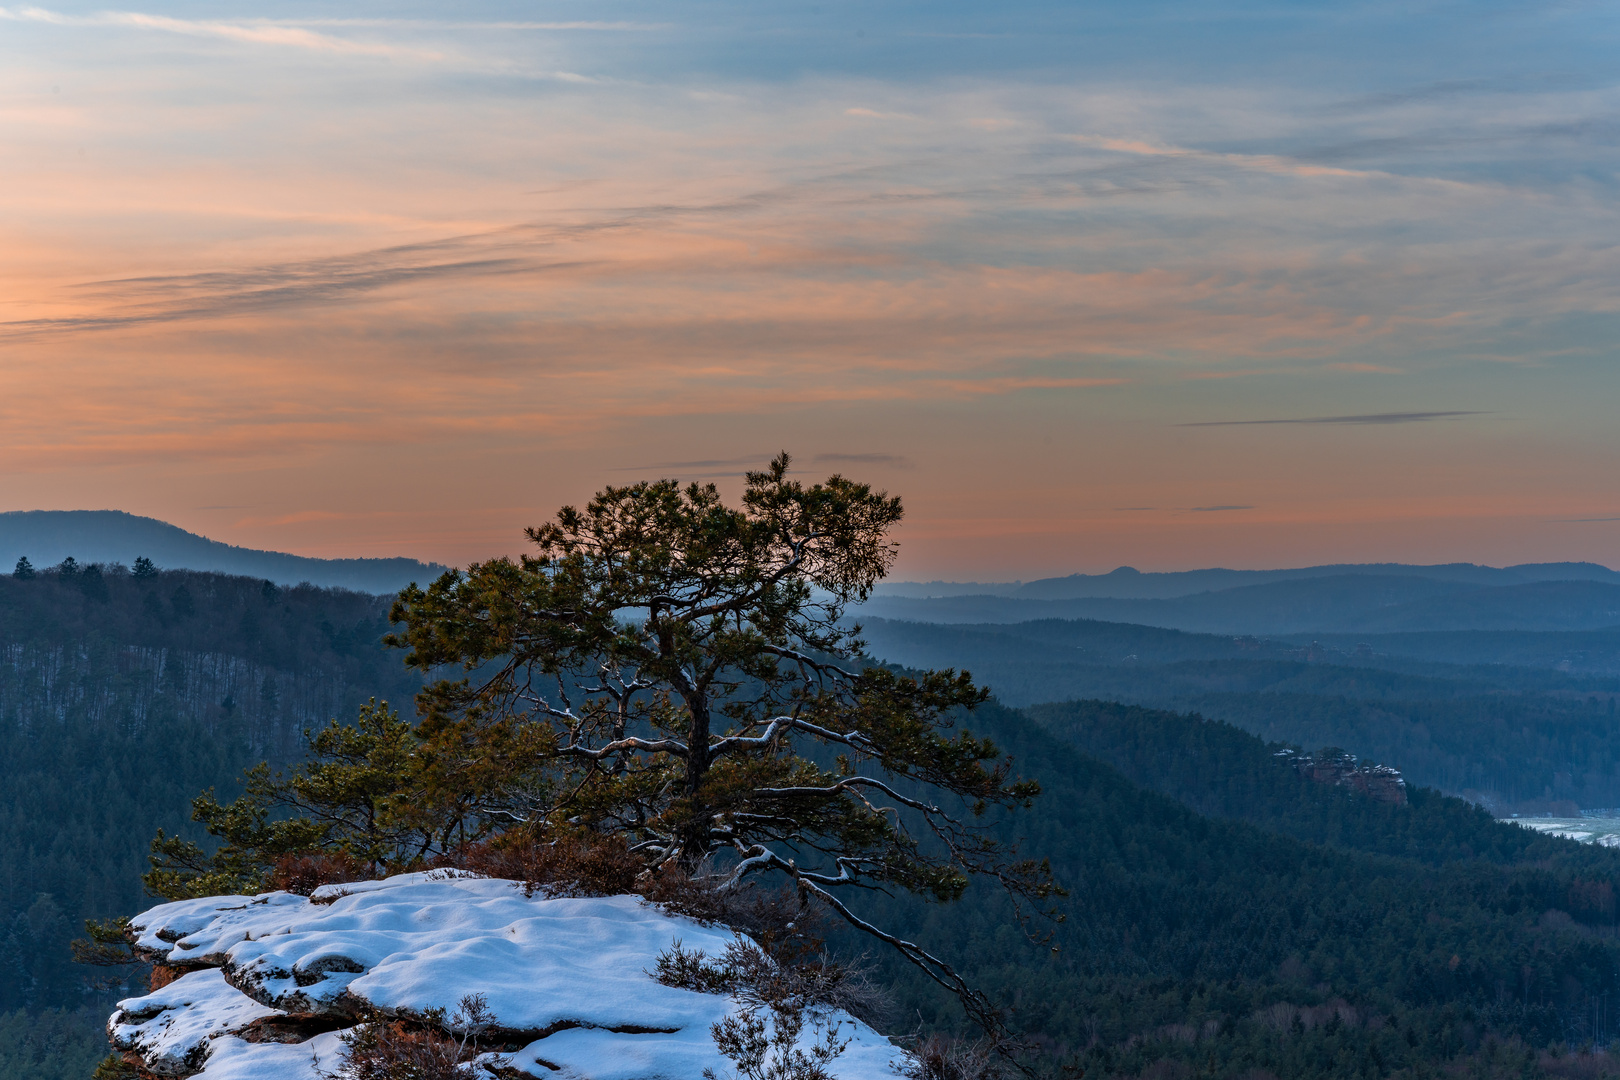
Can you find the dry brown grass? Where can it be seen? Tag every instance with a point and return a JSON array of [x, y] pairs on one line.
[[303, 874], [784, 922], [395, 1050], [567, 865]]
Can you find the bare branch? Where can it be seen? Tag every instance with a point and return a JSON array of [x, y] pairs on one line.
[[654, 746]]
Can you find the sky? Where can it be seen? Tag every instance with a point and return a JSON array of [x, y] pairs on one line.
[[1161, 284]]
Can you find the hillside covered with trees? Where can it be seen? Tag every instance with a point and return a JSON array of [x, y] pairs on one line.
[[121, 698], [1224, 916], [114, 537], [1510, 737], [1299, 930]]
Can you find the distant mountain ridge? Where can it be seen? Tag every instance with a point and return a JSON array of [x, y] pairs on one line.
[[1551, 597], [1129, 583], [46, 537]]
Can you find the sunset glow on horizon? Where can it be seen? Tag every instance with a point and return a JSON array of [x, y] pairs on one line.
[[1167, 285]]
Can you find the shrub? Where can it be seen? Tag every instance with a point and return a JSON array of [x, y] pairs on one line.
[[940, 1057], [764, 1038], [396, 1050], [303, 874], [771, 1051], [811, 983], [567, 865]]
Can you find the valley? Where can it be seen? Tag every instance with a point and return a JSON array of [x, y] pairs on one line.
[[1228, 908]]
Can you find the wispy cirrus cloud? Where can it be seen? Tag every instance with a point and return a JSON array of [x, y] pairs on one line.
[[874, 114], [894, 460], [195, 297], [1269, 163], [491, 26], [703, 467], [1212, 376], [1364, 418], [1358, 368], [253, 32], [1445, 89]]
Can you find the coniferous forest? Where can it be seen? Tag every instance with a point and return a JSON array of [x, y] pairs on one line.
[[1224, 916], [1508, 728], [122, 696]]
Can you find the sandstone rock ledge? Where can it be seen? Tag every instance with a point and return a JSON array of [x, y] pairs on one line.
[[269, 983]]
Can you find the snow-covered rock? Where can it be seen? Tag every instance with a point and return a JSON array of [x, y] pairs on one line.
[[233, 1058], [195, 933], [566, 980], [171, 1028]]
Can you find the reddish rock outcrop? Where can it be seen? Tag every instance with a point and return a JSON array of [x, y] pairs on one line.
[[1379, 783]]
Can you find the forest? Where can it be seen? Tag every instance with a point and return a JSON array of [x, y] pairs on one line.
[[1223, 917], [1513, 738], [1399, 937], [121, 698]]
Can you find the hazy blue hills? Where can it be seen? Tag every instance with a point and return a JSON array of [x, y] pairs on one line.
[[1366, 600], [1515, 738], [1222, 771], [1370, 599], [1058, 659], [1595, 652], [46, 537], [1128, 583]]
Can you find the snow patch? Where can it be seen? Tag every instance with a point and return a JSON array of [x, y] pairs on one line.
[[237, 1059], [190, 933], [171, 1028], [565, 978]]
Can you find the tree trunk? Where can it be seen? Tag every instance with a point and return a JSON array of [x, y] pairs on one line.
[[693, 833]]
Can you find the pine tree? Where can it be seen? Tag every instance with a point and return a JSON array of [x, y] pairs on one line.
[[25, 569], [93, 583], [144, 568], [339, 803], [673, 676]]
